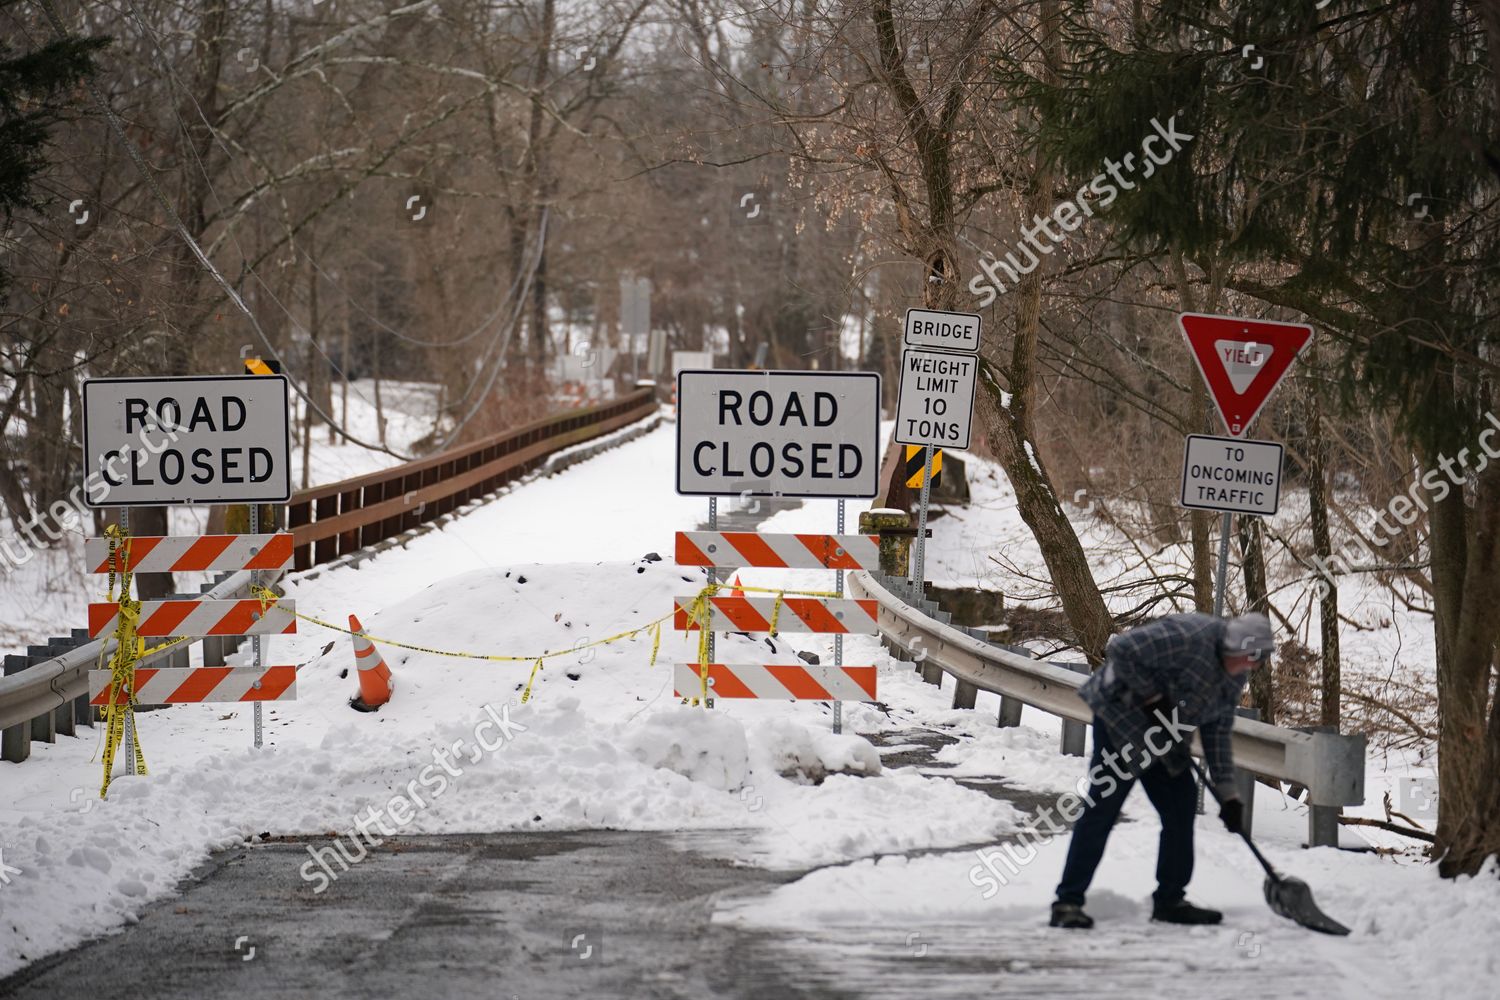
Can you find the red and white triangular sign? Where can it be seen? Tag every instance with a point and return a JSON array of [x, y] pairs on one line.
[[1242, 360]]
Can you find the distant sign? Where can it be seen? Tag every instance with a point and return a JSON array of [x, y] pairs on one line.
[[937, 398], [1231, 474], [197, 439], [792, 434], [942, 331], [691, 359]]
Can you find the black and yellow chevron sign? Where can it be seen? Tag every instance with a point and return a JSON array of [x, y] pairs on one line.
[[261, 366], [915, 465]]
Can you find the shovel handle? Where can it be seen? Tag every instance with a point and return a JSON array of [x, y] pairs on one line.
[[1248, 842]]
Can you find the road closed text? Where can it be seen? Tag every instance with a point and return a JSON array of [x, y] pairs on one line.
[[192, 440], [165, 420], [777, 433]]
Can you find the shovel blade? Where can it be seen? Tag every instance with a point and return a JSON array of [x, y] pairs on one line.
[[1291, 898]]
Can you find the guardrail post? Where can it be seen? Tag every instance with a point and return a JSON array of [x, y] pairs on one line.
[[62, 715], [84, 714], [1244, 781], [1010, 712], [964, 694], [895, 550], [931, 673], [1322, 826], [43, 727], [1073, 733], [1337, 778], [15, 742]]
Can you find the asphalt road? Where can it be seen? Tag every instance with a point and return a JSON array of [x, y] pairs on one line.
[[604, 915]]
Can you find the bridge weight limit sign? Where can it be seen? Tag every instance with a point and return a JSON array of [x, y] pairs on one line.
[[939, 373]]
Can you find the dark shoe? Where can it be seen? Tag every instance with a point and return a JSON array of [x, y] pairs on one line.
[[1183, 912], [1070, 915]]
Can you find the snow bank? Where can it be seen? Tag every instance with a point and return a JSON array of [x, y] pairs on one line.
[[698, 745]]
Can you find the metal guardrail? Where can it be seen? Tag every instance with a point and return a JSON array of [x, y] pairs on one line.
[[1330, 766]]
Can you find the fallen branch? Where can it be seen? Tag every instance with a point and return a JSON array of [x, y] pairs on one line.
[[1389, 827]]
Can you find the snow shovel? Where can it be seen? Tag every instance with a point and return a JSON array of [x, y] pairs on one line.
[[1288, 897]]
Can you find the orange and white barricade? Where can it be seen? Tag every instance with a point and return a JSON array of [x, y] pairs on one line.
[[195, 618], [187, 553], [734, 549], [185, 685], [829, 615], [779, 681]]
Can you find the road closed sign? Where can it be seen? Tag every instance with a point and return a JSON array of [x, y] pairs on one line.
[[937, 398], [1231, 474], [198, 439], [790, 434]]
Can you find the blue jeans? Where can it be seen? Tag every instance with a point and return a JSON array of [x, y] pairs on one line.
[[1176, 801]]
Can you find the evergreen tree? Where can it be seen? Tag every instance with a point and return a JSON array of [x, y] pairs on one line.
[[1345, 166], [36, 91]]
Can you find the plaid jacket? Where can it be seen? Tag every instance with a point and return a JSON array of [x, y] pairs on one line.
[[1176, 657]]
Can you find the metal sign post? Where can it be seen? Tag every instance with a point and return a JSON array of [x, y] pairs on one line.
[[1242, 361], [1231, 475], [838, 640], [921, 558], [129, 716], [713, 577], [255, 639]]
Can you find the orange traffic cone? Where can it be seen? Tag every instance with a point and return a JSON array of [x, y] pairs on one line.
[[374, 676], [734, 585]]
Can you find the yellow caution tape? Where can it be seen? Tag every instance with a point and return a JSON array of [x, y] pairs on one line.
[[700, 612], [128, 650]]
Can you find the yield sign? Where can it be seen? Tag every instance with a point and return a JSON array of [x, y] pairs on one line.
[[1242, 360]]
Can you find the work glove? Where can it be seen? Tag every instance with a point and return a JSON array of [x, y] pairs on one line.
[[1232, 812]]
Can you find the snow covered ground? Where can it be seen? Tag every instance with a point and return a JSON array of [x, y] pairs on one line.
[[605, 744]]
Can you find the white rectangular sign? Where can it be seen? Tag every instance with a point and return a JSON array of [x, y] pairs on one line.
[[789, 434], [937, 398], [691, 359], [193, 439], [1231, 474], [942, 331]]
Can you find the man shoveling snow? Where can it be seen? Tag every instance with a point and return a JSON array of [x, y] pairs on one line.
[[1159, 680]]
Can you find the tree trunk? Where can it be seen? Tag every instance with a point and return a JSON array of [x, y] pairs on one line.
[[1037, 504], [1328, 591], [150, 521], [1199, 414], [1465, 568]]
